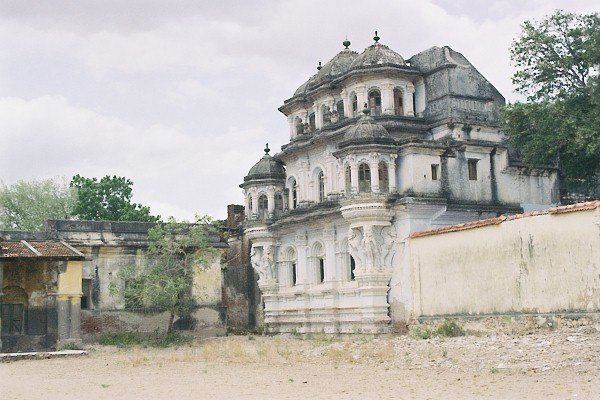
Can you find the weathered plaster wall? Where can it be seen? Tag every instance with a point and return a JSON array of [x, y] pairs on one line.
[[537, 264]]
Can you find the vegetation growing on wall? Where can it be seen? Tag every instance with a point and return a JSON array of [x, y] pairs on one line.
[[165, 281], [557, 62]]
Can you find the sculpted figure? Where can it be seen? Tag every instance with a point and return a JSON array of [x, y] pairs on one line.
[[370, 246], [268, 263], [389, 244], [257, 263], [355, 246]]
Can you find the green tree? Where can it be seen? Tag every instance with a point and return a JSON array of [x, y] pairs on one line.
[[25, 205], [108, 199], [557, 62], [164, 282]]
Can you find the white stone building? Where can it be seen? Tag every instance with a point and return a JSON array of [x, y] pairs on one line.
[[379, 147]]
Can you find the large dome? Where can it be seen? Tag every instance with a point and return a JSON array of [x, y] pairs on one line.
[[367, 130], [377, 55], [337, 66], [266, 168]]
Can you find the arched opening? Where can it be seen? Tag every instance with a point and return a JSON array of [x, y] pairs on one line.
[[299, 128], [321, 186], [384, 178], [375, 101], [326, 115], [249, 211], [340, 109], [14, 307], [291, 266], [352, 268], [398, 105], [348, 180], [311, 122], [364, 178], [263, 207], [354, 102], [279, 205], [318, 254]]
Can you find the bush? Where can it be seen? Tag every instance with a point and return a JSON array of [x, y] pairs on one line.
[[421, 333], [71, 346], [130, 339], [449, 328]]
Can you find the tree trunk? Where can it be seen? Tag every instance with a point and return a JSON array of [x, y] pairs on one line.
[[171, 319]]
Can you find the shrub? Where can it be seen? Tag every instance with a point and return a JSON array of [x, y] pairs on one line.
[[130, 339], [449, 328], [71, 346], [420, 333]]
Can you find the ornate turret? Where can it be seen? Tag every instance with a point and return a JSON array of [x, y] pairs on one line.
[[266, 168], [366, 131]]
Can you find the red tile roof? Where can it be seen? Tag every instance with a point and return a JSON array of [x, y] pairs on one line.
[[39, 249], [590, 205]]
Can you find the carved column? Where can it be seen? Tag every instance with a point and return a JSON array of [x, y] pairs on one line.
[[361, 97], [271, 201], [408, 100], [353, 178], [329, 239], [347, 106], [301, 261], [374, 165], [387, 98], [392, 173]]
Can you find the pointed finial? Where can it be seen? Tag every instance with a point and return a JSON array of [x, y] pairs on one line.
[[319, 67], [376, 37], [267, 150], [346, 42]]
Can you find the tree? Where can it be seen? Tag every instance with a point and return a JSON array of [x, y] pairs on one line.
[[108, 199], [557, 64], [25, 205], [165, 281]]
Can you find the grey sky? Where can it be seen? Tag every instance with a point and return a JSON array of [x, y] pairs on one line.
[[181, 96]]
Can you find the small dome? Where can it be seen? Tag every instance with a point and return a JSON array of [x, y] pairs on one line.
[[266, 168], [337, 66], [367, 130], [375, 55]]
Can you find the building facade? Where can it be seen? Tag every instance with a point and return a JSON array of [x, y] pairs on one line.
[[379, 147]]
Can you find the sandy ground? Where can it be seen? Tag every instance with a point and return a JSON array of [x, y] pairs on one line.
[[561, 364]]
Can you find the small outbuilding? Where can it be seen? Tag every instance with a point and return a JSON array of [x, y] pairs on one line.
[[40, 294]]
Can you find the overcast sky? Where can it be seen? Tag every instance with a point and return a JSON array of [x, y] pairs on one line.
[[181, 96]]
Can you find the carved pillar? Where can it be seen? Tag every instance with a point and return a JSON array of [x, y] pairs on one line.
[[361, 97], [347, 106], [392, 173], [408, 100], [374, 165], [387, 99], [292, 127], [254, 196], [271, 201], [329, 239], [301, 261], [304, 180], [354, 178]]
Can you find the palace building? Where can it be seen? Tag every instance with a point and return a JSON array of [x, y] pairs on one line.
[[379, 147]]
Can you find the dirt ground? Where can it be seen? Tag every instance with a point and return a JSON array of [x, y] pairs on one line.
[[563, 364]]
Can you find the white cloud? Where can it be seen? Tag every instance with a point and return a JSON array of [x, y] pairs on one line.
[[181, 96]]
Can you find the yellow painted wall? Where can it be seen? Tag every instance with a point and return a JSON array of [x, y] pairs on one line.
[[207, 282], [545, 263], [69, 282]]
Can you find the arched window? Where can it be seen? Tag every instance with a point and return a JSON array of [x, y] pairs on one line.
[[364, 178], [318, 256], [293, 192], [311, 122], [398, 105], [352, 267], [340, 109], [289, 262], [326, 115], [348, 180], [354, 101], [298, 126], [384, 179], [279, 203], [263, 207], [321, 188], [375, 101], [249, 205]]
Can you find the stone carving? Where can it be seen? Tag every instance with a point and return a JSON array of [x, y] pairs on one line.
[[372, 247], [264, 263]]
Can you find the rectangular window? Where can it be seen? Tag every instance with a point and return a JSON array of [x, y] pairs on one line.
[[321, 270], [293, 274], [13, 316], [86, 289], [434, 172], [472, 163]]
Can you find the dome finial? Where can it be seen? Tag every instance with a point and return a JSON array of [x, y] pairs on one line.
[[267, 150], [319, 67], [346, 43], [376, 37]]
